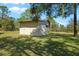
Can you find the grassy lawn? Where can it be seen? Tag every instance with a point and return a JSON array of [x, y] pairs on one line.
[[56, 44], [14, 34]]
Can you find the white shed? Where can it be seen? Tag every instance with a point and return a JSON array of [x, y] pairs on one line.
[[35, 28]]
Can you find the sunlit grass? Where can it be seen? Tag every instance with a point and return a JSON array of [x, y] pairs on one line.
[[9, 33]]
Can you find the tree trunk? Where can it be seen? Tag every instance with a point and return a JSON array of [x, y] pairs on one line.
[[75, 20]]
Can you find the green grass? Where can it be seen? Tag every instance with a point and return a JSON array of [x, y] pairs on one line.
[[53, 44], [9, 33]]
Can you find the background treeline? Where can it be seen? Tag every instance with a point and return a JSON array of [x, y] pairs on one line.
[[56, 27], [61, 28]]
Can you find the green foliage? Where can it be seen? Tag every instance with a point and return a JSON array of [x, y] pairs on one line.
[[62, 28], [8, 24], [17, 24], [26, 15], [4, 11], [69, 27], [38, 9], [65, 9], [71, 9], [53, 24]]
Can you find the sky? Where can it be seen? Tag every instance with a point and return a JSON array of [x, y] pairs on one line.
[[18, 8]]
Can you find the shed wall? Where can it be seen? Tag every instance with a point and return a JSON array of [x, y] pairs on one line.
[[27, 30]]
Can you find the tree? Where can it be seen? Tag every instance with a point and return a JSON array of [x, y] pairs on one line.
[[3, 14], [75, 19], [16, 23], [69, 9], [62, 28], [78, 26], [8, 24], [47, 8], [26, 15], [3, 11], [69, 27], [57, 10], [54, 25]]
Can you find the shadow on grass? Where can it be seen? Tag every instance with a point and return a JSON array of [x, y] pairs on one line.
[[1, 33], [27, 46]]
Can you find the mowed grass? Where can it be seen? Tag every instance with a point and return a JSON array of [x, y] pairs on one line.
[[9, 34], [53, 44]]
